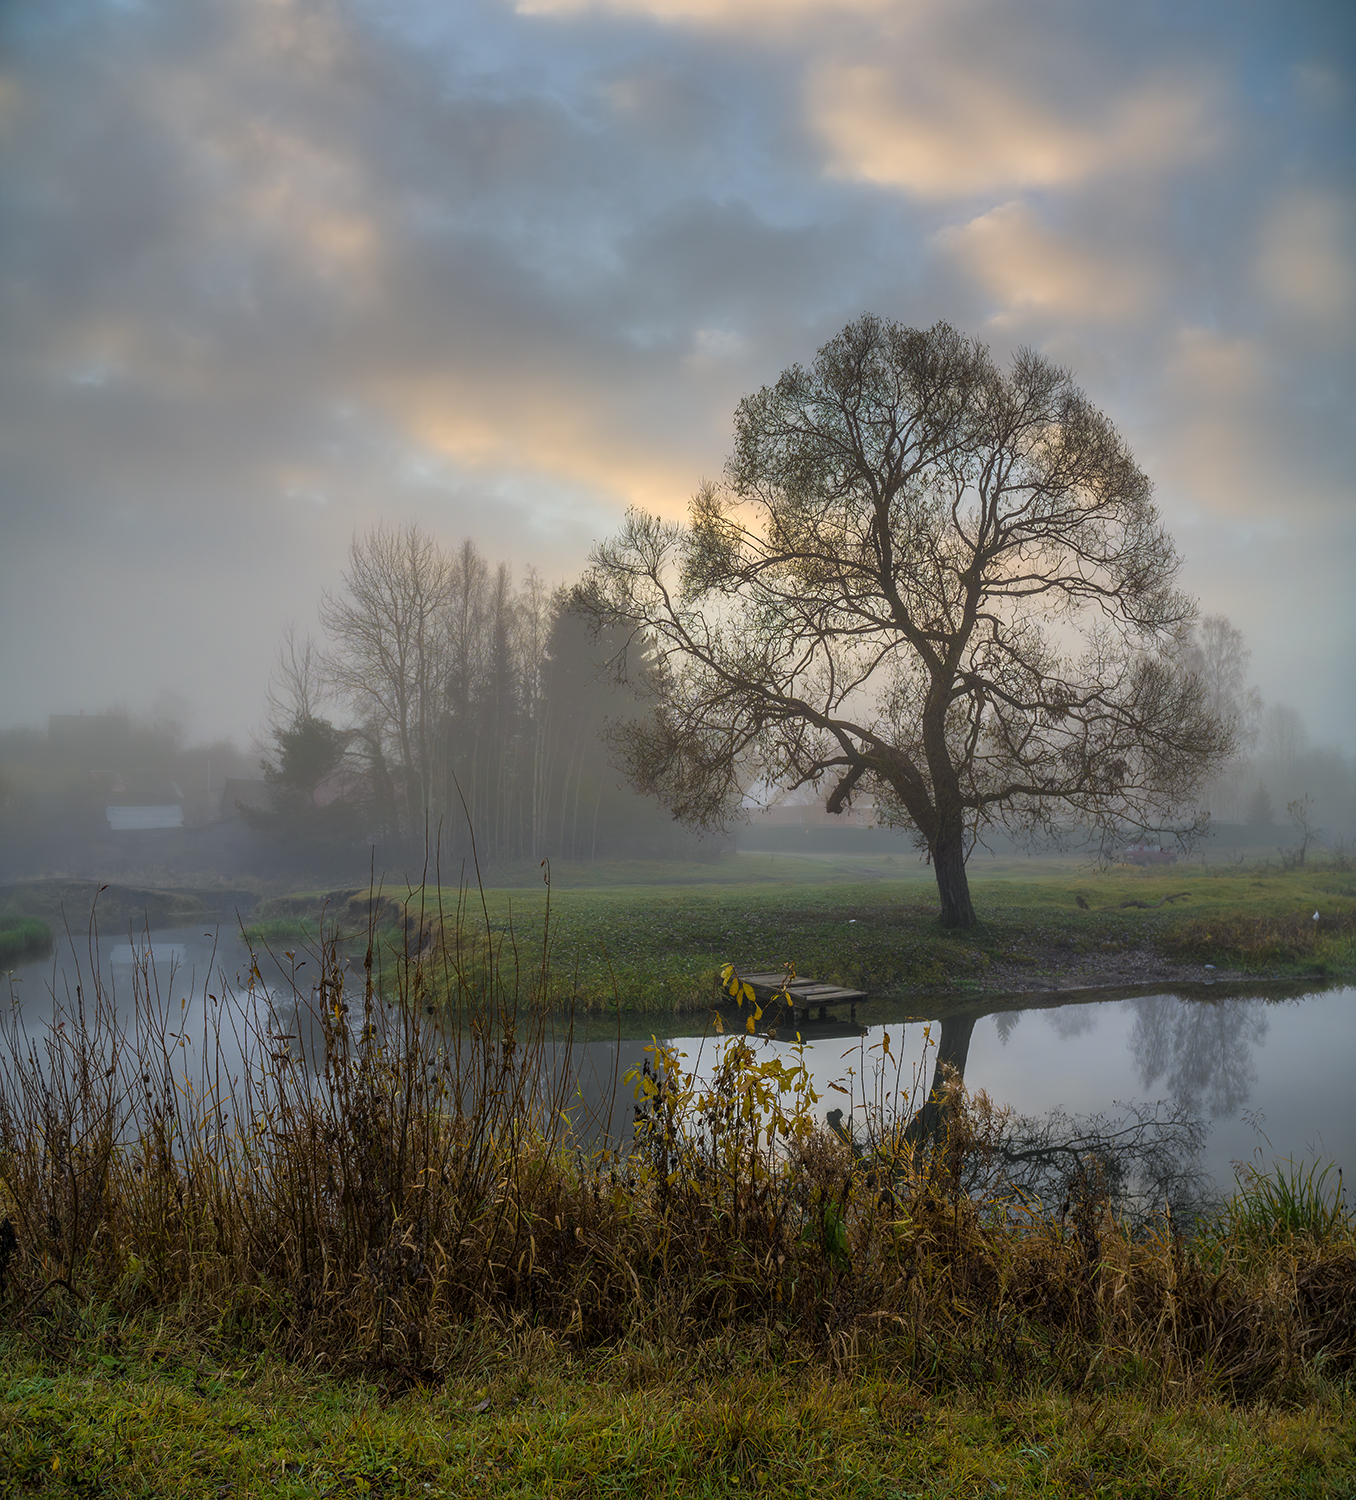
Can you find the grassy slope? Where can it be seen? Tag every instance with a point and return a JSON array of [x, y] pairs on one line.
[[654, 936], [529, 1419], [659, 945]]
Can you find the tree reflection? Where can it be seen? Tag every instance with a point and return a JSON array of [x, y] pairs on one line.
[[1006, 1022], [1136, 1156], [1201, 1048], [1073, 1020]]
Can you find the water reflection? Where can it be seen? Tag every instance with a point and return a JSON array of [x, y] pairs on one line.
[[1203, 1051], [1217, 1055], [1006, 1021]]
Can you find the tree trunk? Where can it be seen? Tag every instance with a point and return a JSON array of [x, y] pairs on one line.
[[953, 885], [953, 1047]]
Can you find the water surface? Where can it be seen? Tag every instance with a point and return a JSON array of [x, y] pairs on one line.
[[1269, 1069]]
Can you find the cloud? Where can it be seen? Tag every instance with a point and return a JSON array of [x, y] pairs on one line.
[[1024, 267], [1228, 437], [722, 14], [1307, 261], [271, 270], [971, 129]]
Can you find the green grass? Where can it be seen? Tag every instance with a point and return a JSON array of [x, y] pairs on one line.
[[274, 930], [870, 923], [659, 947], [23, 939], [130, 1412], [1292, 1200]]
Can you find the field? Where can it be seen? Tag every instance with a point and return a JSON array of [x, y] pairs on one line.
[[641, 939]]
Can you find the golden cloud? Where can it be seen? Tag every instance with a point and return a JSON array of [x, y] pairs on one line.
[[1025, 266], [959, 131], [1305, 263], [573, 438]]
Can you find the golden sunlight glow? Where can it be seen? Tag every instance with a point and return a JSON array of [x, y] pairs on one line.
[[1025, 266], [969, 131], [1306, 258], [565, 440]]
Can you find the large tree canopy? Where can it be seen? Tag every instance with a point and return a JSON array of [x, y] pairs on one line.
[[923, 578]]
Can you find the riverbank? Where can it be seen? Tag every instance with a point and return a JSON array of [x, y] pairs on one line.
[[651, 938], [420, 1279], [659, 948]]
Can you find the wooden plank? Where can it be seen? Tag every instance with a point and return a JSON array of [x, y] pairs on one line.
[[801, 996], [808, 991]]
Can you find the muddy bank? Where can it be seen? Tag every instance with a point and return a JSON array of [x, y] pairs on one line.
[[1043, 969]]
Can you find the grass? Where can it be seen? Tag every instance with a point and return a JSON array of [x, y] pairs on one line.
[[1290, 1200], [23, 939], [127, 1411], [274, 930], [871, 924], [659, 947]]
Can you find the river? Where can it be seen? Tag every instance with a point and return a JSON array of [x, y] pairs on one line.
[[1269, 1068]]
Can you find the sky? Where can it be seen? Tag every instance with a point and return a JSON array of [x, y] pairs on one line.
[[274, 271]]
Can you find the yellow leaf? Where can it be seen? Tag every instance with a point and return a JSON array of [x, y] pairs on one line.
[[748, 1025]]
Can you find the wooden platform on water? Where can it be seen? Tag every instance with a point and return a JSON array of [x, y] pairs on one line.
[[807, 997]]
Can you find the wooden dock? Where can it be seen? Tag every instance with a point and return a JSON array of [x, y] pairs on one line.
[[802, 997]]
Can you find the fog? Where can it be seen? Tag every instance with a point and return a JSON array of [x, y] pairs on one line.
[[472, 734], [272, 271]]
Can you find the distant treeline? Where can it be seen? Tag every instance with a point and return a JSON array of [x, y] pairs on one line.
[[448, 702]]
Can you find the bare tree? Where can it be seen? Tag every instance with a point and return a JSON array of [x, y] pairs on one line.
[[390, 640], [297, 688], [536, 607], [925, 578], [1217, 651], [1284, 737], [1220, 656]]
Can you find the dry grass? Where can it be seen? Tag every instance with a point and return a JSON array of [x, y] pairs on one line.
[[1321, 942], [396, 1158]]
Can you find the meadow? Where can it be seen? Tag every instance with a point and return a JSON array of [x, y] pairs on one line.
[[651, 938], [396, 1266]]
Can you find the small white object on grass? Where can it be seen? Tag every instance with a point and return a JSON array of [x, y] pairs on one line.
[[1315, 916]]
